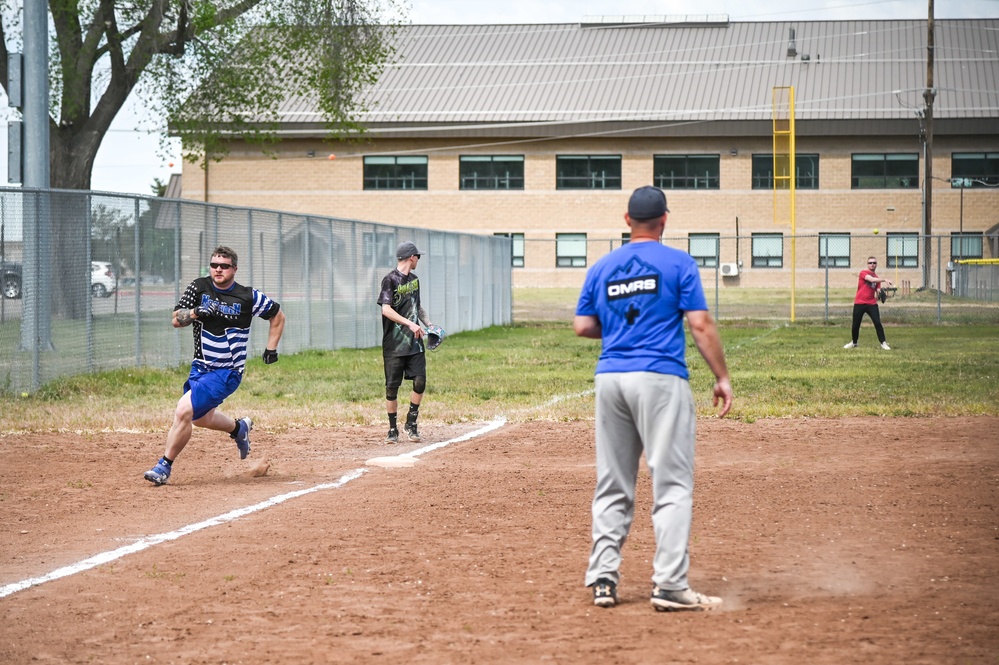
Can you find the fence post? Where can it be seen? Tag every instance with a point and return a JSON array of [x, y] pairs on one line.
[[176, 283], [138, 287], [251, 282], [280, 256], [89, 309], [332, 290], [249, 249], [825, 255], [939, 283], [308, 282], [717, 271], [351, 256]]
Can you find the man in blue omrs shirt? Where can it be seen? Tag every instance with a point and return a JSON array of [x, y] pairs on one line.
[[634, 300]]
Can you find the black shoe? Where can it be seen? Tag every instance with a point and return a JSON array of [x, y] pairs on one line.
[[604, 593], [412, 433], [393, 436]]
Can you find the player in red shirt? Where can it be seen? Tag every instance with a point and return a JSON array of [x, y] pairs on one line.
[[866, 302]]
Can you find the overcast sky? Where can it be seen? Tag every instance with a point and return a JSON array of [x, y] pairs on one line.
[[129, 159]]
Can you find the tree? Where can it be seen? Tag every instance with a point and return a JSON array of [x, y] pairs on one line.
[[253, 54], [158, 188]]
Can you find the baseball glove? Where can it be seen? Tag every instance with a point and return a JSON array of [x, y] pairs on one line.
[[435, 337], [885, 293]]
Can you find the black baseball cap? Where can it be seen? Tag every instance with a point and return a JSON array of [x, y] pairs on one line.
[[406, 250], [647, 203]]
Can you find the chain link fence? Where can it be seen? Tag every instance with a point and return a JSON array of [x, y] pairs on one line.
[[90, 280], [774, 276]]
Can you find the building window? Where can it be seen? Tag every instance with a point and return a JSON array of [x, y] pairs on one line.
[[491, 172], [704, 248], [686, 171], [768, 250], [517, 255], [967, 245], [570, 250], [834, 250], [409, 172], [981, 168], [881, 171], [588, 172], [807, 167], [903, 250], [625, 238]]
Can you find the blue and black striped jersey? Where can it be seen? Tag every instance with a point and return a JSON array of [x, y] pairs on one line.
[[221, 341]]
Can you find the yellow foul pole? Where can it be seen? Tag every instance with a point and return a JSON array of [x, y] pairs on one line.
[[785, 171]]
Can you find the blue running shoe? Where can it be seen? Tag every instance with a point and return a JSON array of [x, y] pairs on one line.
[[159, 473], [242, 437]]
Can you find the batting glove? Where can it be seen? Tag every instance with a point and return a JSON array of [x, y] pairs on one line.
[[206, 310], [270, 356]]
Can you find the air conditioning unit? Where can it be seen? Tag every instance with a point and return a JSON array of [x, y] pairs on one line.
[[729, 269]]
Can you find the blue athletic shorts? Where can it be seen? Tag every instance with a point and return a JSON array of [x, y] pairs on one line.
[[209, 388]]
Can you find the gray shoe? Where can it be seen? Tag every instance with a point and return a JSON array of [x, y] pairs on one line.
[[393, 436], [159, 473], [412, 433], [687, 599]]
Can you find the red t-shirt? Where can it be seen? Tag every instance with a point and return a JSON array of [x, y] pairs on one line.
[[867, 292]]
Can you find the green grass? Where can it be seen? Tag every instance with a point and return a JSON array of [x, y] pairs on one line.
[[543, 371]]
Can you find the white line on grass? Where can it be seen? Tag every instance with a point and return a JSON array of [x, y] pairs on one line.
[[146, 543], [555, 400], [747, 342]]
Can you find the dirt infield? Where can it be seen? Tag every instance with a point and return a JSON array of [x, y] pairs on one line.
[[832, 541]]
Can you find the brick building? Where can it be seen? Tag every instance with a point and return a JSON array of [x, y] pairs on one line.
[[541, 131]]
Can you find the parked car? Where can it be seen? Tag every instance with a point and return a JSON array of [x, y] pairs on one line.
[[10, 280], [103, 281]]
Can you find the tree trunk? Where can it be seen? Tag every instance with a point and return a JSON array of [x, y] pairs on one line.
[[71, 161]]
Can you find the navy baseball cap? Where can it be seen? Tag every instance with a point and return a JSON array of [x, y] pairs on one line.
[[647, 203], [406, 250]]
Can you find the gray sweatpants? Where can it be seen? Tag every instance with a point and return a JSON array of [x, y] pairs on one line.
[[652, 413]]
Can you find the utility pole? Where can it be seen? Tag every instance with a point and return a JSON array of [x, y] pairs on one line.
[[928, 94], [36, 320]]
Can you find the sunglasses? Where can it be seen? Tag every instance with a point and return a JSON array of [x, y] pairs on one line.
[[223, 266], [870, 263]]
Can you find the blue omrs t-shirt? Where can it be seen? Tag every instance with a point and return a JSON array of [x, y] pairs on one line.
[[640, 293]]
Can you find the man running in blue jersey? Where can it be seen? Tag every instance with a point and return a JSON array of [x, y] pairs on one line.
[[634, 300], [220, 311]]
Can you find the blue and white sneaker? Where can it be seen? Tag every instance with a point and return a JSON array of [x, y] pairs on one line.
[[159, 473], [242, 436]]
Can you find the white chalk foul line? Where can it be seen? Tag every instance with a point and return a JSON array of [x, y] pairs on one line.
[[496, 424], [146, 543]]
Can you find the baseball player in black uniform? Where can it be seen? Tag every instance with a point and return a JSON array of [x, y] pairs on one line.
[[403, 347], [220, 310]]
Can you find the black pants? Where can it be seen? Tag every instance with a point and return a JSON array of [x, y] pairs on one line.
[[858, 316]]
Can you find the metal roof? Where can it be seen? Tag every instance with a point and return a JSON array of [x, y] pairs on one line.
[[666, 73]]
